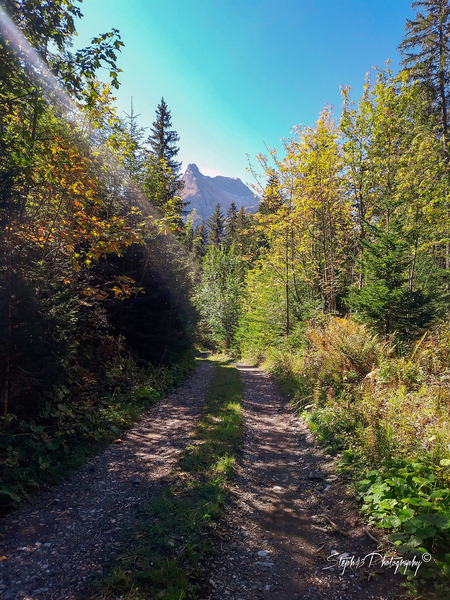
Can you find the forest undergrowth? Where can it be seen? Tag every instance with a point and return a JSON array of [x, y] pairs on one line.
[[70, 427]]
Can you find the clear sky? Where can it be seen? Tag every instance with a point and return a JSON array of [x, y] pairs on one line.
[[239, 74]]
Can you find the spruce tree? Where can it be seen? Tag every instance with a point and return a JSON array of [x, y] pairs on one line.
[[199, 241], [246, 238], [134, 156], [273, 198], [216, 227], [163, 140], [426, 52], [426, 55], [241, 220], [386, 300], [162, 182]]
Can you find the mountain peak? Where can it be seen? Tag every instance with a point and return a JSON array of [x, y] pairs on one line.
[[192, 168], [203, 192]]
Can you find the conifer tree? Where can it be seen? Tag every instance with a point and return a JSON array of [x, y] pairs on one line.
[[426, 52], [426, 55], [386, 300], [134, 155], [199, 241], [241, 221], [216, 227], [162, 182], [244, 238], [273, 198], [163, 140]]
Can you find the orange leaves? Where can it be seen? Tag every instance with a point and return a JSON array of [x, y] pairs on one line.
[[95, 293], [121, 288], [69, 219]]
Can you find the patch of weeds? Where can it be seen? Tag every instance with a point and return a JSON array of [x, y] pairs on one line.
[[334, 428], [412, 499], [178, 526]]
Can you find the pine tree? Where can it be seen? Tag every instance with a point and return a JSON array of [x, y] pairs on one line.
[[162, 183], [244, 238], [134, 155], [216, 227], [163, 140], [386, 300], [426, 52], [199, 241]]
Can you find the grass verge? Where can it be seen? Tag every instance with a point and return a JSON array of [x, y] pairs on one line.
[[178, 527]]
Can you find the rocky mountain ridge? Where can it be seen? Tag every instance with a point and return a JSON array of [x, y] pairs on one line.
[[203, 193]]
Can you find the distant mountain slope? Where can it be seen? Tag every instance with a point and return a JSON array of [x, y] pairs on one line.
[[204, 192]]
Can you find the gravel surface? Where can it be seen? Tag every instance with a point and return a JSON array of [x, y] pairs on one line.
[[283, 519], [66, 536]]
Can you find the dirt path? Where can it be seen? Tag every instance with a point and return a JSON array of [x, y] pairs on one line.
[[55, 545], [279, 533]]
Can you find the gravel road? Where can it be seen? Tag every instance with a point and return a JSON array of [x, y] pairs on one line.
[[67, 536]]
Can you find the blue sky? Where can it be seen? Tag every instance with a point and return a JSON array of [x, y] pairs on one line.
[[240, 74]]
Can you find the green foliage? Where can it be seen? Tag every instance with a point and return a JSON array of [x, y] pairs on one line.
[[334, 427], [272, 200], [386, 300], [49, 27], [216, 227], [163, 140], [220, 294], [263, 319], [396, 178], [413, 500], [161, 186], [231, 225], [93, 294], [426, 54], [199, 241], [387, 416], [74, 423]]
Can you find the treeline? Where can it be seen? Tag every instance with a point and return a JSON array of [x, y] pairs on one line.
[[96, 317], [354, 213]]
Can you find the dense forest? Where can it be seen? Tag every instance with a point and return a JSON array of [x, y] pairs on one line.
[[338, 285]]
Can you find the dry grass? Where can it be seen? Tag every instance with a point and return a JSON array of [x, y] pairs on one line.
[[399, 405]]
